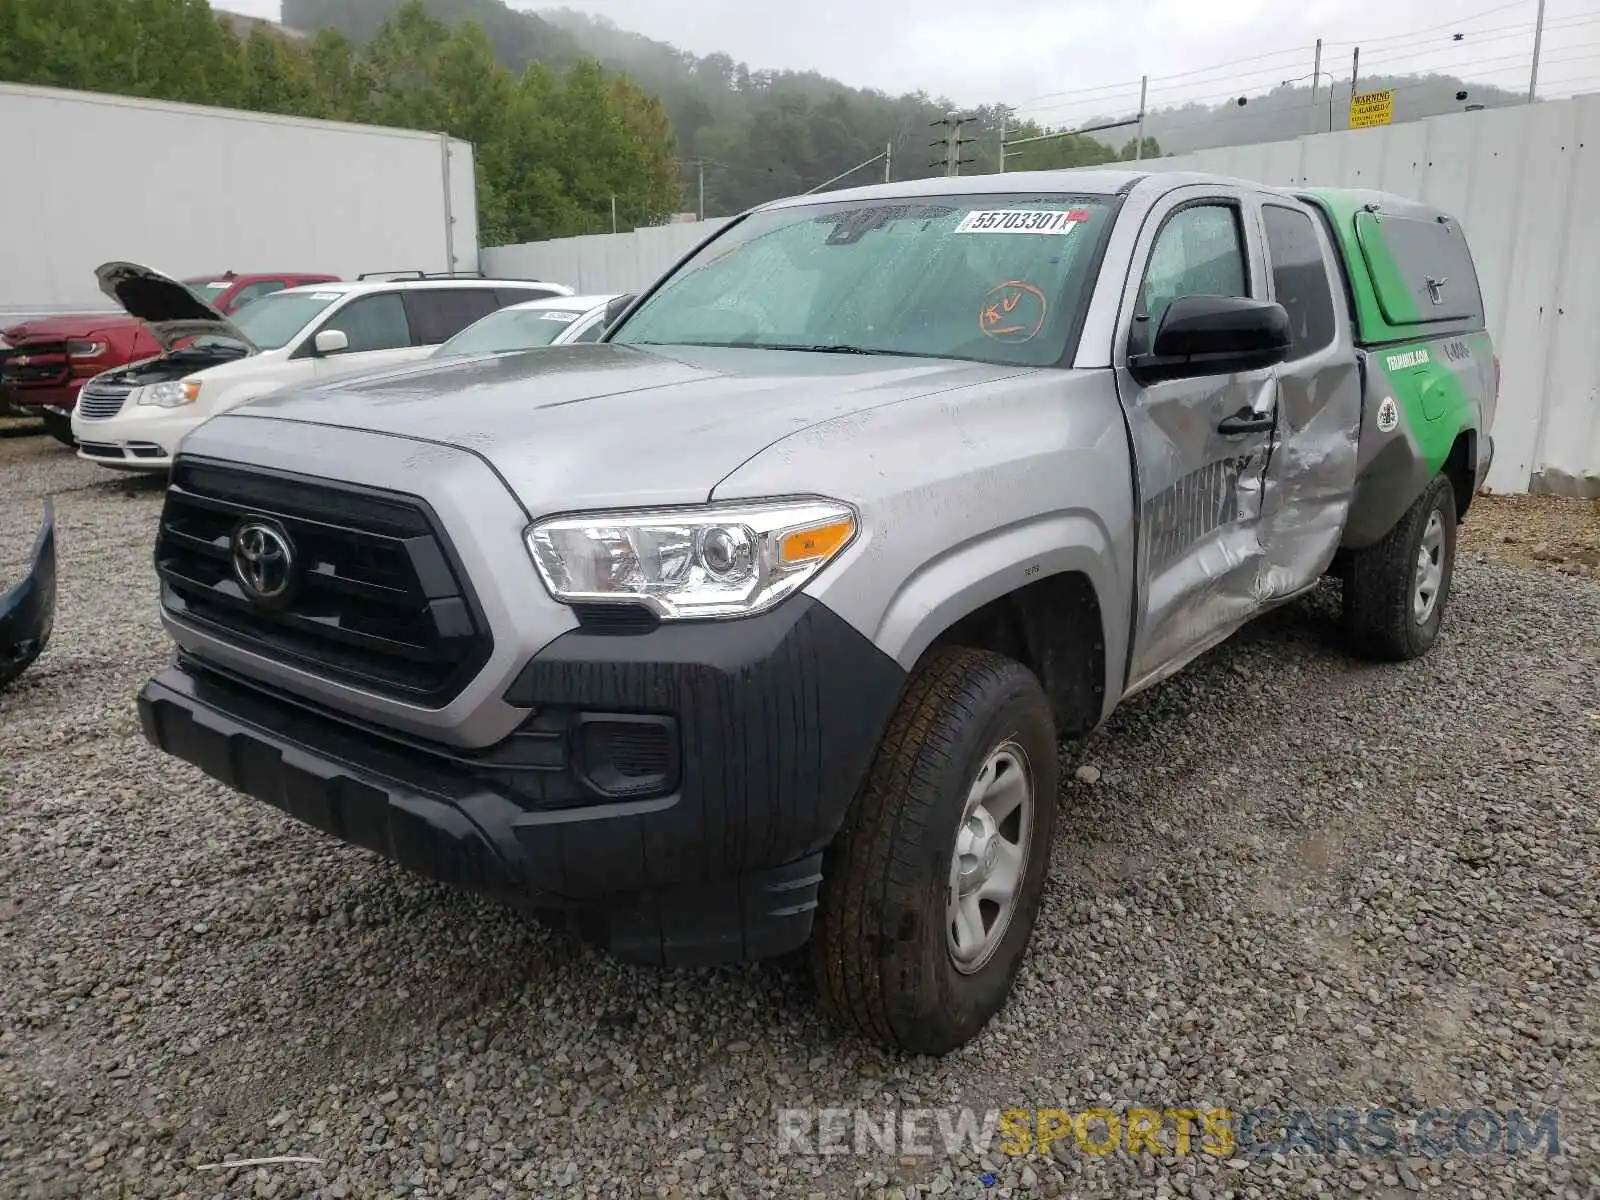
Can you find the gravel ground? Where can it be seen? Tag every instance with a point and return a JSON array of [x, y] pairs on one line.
[[1282, 878]]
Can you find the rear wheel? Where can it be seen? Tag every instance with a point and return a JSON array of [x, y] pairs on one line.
[[1395, 590], [931, 889], [59, 426]]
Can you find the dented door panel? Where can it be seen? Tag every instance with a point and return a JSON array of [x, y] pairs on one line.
[[1314, 456], [1199, 489]]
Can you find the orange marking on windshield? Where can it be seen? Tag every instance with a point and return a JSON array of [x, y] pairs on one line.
[[1023, 303]]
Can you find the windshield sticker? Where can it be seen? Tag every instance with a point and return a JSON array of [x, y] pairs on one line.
[[565, 318], [1023, 220], [1012, 311], [324, 295]]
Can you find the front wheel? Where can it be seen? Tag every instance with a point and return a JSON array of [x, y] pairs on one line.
[[1395, 590], [931, 889], [59, 426]]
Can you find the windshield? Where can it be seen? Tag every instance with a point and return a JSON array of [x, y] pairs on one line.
[[272, 321], [208, 289], [996, 279], [509, 330]]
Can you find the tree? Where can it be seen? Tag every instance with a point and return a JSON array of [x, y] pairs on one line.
[[1130, 149]]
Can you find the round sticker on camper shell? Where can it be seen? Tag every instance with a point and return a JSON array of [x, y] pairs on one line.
[[1388, 415]]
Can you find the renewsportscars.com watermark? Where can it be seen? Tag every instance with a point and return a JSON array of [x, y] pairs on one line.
[[1219, 1132]]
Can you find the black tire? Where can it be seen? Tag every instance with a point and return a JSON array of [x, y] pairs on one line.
[[1381, 581], [880, 953], [59, 427]]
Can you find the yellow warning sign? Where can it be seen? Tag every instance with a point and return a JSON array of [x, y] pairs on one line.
[[1371, 108]]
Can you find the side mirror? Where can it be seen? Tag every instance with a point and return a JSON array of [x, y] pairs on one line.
[[615, 309], [1214, 335], [331, 341]]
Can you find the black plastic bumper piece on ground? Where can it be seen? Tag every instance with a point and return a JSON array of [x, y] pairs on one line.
[[28, 610], [777, 716]]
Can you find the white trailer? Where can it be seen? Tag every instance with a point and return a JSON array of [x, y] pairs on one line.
[[193, 191]]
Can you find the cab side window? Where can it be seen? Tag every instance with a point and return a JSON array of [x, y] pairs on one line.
[[1199, 252], [373, 323], [592, 333], [1299, 278]]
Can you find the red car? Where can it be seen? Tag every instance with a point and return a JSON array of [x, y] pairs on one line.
[[49, 359]]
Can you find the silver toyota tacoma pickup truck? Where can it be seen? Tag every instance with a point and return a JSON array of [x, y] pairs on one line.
[[755, 624]]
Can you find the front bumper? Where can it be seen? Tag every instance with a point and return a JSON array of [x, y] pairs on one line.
[[126, 456], [763, 730], [139, 438], [55, 399]]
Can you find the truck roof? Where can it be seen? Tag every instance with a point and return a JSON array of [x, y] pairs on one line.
[[1093, 182], [413, 285], [1100, 182]]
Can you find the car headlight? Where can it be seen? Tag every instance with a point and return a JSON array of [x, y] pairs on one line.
[[724, 560], [173, 394], [85, 349]]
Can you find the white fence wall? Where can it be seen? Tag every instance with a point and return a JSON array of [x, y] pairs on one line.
[[602, 262], [1525, 182], [192, 190]]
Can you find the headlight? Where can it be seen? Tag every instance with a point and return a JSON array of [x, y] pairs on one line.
[[174, 394], [728, 560], [82, 349]]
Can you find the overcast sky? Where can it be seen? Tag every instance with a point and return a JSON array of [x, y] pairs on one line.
[[1028, 52]]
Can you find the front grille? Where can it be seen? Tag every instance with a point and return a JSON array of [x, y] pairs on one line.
[[100, 401], [376, 598], [43, 364]]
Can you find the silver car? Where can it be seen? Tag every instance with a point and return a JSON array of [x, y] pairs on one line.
[[755, 623]]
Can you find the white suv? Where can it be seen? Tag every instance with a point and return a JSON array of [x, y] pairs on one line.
[[135, 416]]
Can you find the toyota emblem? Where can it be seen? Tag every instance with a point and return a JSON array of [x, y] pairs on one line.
[[263, 561]]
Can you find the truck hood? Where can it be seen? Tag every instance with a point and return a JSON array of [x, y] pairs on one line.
[[167, 307], [59, 329], [601, 424]]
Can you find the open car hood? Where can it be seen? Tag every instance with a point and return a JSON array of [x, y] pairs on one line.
[[28, 610], [167, 307]]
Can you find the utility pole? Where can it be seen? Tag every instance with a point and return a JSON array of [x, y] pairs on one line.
[[1316, 78], [888, 159], [613, 212], [1355, 71], [702, 209], [1538, 37], [1138, 136], [952, 142], [1005, 117]]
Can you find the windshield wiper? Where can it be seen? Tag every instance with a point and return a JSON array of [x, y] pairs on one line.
[[830, 348], [800, 347]]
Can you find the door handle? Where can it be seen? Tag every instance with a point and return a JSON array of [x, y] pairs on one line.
[[1246, 420]]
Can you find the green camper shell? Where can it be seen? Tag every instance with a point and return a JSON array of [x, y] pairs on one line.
[[1429, 373], [1407, 266]]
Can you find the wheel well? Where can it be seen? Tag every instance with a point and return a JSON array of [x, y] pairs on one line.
[[1053, 627], [1461, 468]]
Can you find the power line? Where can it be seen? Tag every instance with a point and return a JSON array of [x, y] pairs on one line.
[[1159, 128], [1456, 24], [1459, 25], [1390, 67]]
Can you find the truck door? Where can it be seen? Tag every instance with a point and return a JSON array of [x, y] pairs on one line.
[[1311, 472], [1200, 442]]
